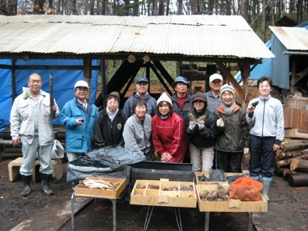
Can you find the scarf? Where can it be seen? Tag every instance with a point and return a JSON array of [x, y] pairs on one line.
[[111, 114], [228, 110]]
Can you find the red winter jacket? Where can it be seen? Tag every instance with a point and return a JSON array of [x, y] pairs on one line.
[[168, 136]]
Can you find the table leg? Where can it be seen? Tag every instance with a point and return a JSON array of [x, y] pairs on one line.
[[114, 211], [207, 221], [148, 217], [178, 218], [250, 224], [72, 211]]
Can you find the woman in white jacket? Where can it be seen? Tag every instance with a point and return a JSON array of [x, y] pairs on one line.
[[138, 129]]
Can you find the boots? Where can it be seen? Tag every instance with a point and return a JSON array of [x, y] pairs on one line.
[[45, 184], [266, 185], [27, 190]]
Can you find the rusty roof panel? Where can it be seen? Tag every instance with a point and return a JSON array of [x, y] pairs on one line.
[[293, 38]]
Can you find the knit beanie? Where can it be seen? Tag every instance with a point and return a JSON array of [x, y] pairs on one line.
[[114, 94], [226, 87], [164, 97]]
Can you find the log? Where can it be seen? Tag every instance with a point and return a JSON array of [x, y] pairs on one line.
[[298, 164], [287, 162], [294, 146], [287, 172], [298, 180], [289, 154], [280, 171]]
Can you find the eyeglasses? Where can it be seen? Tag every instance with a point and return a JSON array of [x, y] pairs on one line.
[[82, 89]]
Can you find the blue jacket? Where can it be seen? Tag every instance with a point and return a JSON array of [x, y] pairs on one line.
[[78, 137]]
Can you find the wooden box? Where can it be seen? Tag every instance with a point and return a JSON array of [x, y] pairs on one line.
[[82, 191], [164, 193], [229, 205]]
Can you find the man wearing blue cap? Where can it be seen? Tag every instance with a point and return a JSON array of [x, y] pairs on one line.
[[142, 86], [181, 101]]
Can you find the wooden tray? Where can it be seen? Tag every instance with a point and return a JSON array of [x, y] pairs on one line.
[[164, 193], [101, 193]]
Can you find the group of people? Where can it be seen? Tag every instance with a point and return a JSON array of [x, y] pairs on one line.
[[209, 129]]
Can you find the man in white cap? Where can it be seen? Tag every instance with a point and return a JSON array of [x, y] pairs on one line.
[[142, 86], [78, 116], [213, 96]]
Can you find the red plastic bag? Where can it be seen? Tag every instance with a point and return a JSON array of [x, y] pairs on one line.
[[245, 189]]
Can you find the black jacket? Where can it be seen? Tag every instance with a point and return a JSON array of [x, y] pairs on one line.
[[108, 133], [205, 137]]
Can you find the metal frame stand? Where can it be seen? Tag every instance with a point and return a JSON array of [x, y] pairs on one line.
[[148, 216], [114, 212], [207, 221]]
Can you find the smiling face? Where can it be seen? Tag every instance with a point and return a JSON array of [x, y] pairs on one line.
[[140, 110], [264, 89], [81, 93], [35, 83], [227, 98], [199, 105], [163, 108]]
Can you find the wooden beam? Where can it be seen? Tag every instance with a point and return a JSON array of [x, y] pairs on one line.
[[229, 77], [87, 72]]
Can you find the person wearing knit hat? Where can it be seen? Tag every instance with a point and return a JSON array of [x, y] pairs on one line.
[[213, 96], [168, 132], [200, 128], [232, 132], [142, 87], [226, 87], [181, 100], [109, 123]]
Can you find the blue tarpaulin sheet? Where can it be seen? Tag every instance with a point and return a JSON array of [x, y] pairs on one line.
[[64, 81]]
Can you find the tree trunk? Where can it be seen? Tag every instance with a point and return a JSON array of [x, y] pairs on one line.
[[299, 164], [264, 21], [300, 179], [289, 154], [294, 146]]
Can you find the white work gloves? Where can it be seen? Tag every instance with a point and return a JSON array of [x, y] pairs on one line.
[[246, 151], [192, 125], [200, 124], [220, 123]]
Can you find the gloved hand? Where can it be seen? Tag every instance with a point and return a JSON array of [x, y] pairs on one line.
[[246, 151], [192, 125], [220, 123], [200, 124]]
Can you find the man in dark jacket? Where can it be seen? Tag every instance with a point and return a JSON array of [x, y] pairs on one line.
[[109, 123], [142, 86], [181, 101]]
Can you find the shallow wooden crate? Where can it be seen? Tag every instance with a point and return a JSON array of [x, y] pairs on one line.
[[101, 193], [142, 194], [207, 174], [230, 205]]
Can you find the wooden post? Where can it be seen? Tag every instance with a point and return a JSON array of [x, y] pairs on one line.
[[104, 81], [87, 62], [245, 75]]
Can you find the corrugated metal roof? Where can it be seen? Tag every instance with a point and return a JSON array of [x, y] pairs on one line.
[[293, 38], [193, 35]]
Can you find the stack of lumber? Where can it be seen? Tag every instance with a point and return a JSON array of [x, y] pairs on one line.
[[292, 161]]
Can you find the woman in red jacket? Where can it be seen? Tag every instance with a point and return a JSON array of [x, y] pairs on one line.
[[168, 132]]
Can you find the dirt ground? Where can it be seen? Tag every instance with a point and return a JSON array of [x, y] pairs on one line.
[[39, 211]]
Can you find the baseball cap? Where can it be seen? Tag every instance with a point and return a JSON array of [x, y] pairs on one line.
[[215, 76], [81, 83], [142, 80]]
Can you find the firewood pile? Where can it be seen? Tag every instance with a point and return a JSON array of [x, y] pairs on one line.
[[292, 161]]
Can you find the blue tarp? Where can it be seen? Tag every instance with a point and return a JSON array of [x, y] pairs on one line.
[[64, 81]]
